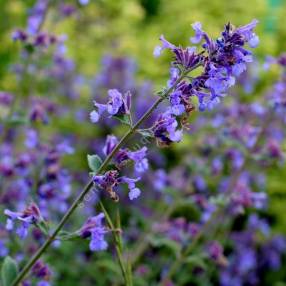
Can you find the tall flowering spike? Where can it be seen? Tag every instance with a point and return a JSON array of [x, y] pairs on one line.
[[95, 230], [117, 105], [30, 216]]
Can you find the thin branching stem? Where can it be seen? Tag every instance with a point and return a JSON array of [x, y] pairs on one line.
[[90, 184]]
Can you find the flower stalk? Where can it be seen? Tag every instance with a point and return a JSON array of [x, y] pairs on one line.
[[90, 184]]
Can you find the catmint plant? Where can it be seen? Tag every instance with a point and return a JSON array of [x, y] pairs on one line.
[[202, 219]]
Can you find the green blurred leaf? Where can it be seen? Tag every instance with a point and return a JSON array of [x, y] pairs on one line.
[[9, 271], [165, 242], [94, 162], [196, 260]]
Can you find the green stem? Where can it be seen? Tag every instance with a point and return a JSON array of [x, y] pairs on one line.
[[89, 185], [118, 245]]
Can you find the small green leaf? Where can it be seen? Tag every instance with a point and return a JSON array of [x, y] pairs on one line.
[[125, 119], [17, 120], [9, 271], [44, 227], [94, 162], [145, 132], [196, 260], [68, 236], [165, 242], [29, 48]]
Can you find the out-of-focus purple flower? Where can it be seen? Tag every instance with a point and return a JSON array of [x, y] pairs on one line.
[[42, 271], [19, 35], [32, 139], [139, 158], [3, 249], [134, 192], [215, 252], [94, 229], [30, 216], [67, 9], [36, 16], [83, 2], [160, 180], [6, 98]]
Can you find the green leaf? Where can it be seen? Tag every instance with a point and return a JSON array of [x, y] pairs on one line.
[[94, 162], [9, 271], [44, 227], [29, 48], [108, 264], [196, 260], [125, 119], [68, 236], [145, 132], [17, 120], [165, 242]]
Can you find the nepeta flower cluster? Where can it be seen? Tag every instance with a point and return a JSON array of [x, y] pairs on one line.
[[94, 229], [222, 61], [30, 216], [117, 105]]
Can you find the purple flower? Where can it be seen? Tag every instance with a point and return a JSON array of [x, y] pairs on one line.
[[110, 143], [160, 180], [3, 249], [177, 108], [247, 33], [215, 251], [94, 116], [110, 180], [186, 58], [19, 35], [115, 101], [141, 163], [117, 105], [123, 155], [199, 33], [37, 14], [134, 192], [41, 270], [30, 216], [93, 228], [165, 130]]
